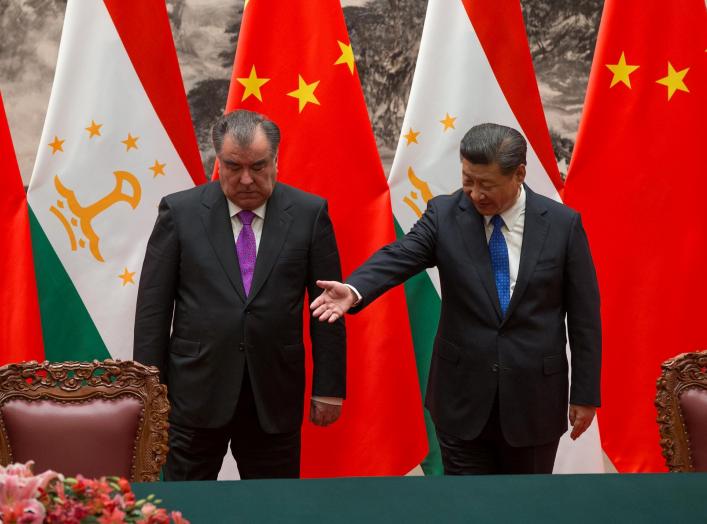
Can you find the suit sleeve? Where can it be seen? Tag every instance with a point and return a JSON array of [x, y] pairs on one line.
[[395, 263], [156, 294], [328, 340], [583, 319]]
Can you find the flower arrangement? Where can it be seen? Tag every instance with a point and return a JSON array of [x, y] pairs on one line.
[[50, 497]]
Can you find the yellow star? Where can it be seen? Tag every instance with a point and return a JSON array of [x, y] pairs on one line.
[[411, 137], [57, 145], [621, 71], [245, 4], [305, 93], [347, 56], [158, 169], [130, 142], [674, 80], [252, 85], [448, 122], [127, 277], [94, 129]]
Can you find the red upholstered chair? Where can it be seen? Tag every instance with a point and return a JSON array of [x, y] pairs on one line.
[[682, 411], [93, 418]]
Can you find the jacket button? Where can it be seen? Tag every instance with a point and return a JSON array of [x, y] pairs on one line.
[[241, 347], [494, 368]]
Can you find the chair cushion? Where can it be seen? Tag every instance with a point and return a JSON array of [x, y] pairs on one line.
[[92, 437], [693, 404]]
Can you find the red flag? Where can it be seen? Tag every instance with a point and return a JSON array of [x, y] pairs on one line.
[[635, 177], [20, 326], [295, 64]]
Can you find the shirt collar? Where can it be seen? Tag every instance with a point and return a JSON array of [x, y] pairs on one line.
[[233, 209], [511, 215]]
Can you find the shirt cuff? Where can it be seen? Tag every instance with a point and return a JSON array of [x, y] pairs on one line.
[[358, 295], [336, 401]]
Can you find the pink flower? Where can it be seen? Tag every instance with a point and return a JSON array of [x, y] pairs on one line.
[[124, 485], [178, 519], [114, 516], [148, 509]]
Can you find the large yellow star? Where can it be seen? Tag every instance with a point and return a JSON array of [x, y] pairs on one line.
[[448, 122], [57, 145], [130, 142], [158, 169], [252, 85], [305, 93], [621, 71], [94, 129], [127, 277], [347, 56], [674, 80], [411, 137]]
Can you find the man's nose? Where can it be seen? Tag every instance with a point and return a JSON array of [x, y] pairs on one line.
[[246, 178]]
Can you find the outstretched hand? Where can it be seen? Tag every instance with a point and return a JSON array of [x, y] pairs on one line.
[[334, 302]]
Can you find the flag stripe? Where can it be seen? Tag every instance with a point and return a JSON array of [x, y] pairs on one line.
[[157, 67], [513, 67], [69, 331]]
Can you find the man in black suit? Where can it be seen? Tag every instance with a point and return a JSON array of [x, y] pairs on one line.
[[219, 311], [512, 265]]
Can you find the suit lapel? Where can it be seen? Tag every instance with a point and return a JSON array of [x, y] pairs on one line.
[[534, 234], [277, 223], [217, 223], [471, 229]]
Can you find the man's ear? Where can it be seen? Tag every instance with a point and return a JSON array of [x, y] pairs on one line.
[[520, 173]]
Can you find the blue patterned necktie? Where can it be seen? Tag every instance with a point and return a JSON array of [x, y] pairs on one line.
[[499, 262]]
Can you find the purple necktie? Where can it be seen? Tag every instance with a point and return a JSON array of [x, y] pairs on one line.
[[245, 248]]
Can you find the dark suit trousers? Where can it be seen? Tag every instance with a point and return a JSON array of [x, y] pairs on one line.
[[489, 453], [197, 453]]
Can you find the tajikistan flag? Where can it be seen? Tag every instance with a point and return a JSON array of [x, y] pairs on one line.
[[117, 137], [474, 66]]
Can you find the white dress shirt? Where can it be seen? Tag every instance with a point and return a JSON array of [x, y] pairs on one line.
[[514, 224], [257, 226]]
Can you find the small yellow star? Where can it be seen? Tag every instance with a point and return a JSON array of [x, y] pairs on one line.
[[411, 137], [621, 71], [127, 277], [94, 129], [347, 56], [158, 169], [57, 145], [305, 93], [245, 4], [674, 80], [448, 122], [252, 85], [130, 142]]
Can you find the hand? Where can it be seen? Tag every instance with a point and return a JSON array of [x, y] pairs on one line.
[[336, 300], [580, 419], [323, 414]]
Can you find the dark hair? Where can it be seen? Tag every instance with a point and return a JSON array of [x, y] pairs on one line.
[[241, 125], [494, 144]]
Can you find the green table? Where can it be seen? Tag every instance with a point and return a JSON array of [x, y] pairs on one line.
[[600, 499]]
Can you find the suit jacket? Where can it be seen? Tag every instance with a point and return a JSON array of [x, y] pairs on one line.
[[479, 352], [191, 283]]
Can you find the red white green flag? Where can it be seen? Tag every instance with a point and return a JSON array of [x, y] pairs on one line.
[[117, 137], [636, 179], [20, 328], [294, 63]]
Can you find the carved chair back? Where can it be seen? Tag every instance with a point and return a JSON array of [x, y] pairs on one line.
[[94, 418], [681, 401]]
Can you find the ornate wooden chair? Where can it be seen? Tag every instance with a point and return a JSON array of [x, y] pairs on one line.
[[93, 418], [682, 411]]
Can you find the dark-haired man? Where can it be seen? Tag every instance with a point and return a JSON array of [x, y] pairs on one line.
[[513, 266], [219, 311]]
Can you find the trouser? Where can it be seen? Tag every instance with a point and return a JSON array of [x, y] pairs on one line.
[[490, 453], [197, 453]]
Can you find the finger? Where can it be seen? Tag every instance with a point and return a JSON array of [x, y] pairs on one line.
[[333, 318], [317, 302], [572, 416], [326, 284], [320, 310]]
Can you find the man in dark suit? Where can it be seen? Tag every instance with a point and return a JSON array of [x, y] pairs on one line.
[[219, 311], [513, 265]]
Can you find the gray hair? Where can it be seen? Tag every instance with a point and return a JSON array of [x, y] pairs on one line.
[[241, 125], [494, 144]]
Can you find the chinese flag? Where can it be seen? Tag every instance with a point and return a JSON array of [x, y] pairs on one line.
[[294, 63], [20, 326], [636, 178]]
